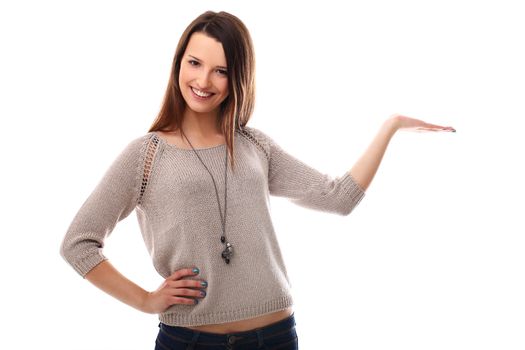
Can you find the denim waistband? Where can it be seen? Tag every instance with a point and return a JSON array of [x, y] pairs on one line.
[[191, 335]]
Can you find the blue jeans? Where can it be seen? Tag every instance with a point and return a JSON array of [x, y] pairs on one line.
[[280, 335]]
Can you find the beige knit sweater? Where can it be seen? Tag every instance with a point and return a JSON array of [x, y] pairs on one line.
[[176, 207]]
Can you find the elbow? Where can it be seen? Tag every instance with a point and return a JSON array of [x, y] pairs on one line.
[[352, 201], [81, 255], [345, 211], [65, 251], [345, 196], [68, 252]]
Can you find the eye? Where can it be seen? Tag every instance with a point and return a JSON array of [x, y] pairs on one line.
[[222, 71], [193, 62]]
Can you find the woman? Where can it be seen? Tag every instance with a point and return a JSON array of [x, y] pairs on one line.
[[200, 181]]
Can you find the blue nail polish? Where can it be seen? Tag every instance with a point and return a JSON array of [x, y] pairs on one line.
[[195, 270], [196, 301], [204, 283], [203, 293]]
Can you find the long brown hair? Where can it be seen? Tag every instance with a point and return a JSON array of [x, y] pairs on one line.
[[237, 108]]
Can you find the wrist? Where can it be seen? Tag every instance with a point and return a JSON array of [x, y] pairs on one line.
[[391, 125], [143, 302]]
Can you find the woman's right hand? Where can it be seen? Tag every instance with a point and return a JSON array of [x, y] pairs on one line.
[[175, 290]]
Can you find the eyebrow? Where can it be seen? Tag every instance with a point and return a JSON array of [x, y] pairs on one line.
[[198, 59]]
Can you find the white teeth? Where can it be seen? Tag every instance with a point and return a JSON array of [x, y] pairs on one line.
[[201, 93]]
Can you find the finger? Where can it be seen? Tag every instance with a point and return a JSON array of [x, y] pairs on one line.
[[438, 128], [432, 126], [183, 272], [183, 292], [427, 129], [189, 284], [189, 293], [179, 300]]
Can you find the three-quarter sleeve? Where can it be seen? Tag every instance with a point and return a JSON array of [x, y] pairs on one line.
[[113, 199], [305, 186]]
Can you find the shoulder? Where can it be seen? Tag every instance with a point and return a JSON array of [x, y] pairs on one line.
[[134, 151], [258, 138], [136, 158], [138, 144]]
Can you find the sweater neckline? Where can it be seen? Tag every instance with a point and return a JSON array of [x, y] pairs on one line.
[[172, 146]]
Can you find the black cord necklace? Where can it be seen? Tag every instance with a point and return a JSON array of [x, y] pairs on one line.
[[227, 253]]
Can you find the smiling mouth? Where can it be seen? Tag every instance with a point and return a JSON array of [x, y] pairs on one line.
[[201, 94]]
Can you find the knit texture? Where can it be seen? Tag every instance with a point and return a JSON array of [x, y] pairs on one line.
[[176, 207]]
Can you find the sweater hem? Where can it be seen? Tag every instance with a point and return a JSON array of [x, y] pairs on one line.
[[353, 192], [182, 320], [84, 266]]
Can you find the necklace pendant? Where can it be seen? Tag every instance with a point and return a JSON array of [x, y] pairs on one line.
[[227, 253]]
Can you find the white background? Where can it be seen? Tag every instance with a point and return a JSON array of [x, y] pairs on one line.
[[431, 259]]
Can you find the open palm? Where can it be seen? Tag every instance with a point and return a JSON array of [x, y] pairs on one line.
[[412, 124]]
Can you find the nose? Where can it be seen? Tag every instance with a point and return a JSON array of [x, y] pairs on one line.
[[203, 80]]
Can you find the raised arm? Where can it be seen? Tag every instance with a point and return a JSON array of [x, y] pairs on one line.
[[290, 177], [366, 166], [304, 185]]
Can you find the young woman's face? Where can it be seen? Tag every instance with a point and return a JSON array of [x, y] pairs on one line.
[[203, 77]]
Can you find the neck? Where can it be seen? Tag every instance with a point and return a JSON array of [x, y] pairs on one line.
[[200, 124]]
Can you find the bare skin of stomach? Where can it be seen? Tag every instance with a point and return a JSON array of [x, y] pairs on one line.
[[245, 325]]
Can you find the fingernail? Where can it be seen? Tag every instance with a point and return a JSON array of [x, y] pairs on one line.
[[204, 283], [203, 293], [196, 301], [195, 270]]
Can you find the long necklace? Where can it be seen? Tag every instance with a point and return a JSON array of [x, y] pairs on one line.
[[227, 253]]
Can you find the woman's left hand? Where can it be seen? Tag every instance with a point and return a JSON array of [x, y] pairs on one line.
[[401, 122]]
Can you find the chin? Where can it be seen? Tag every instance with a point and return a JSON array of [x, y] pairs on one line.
[[201, 109]]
